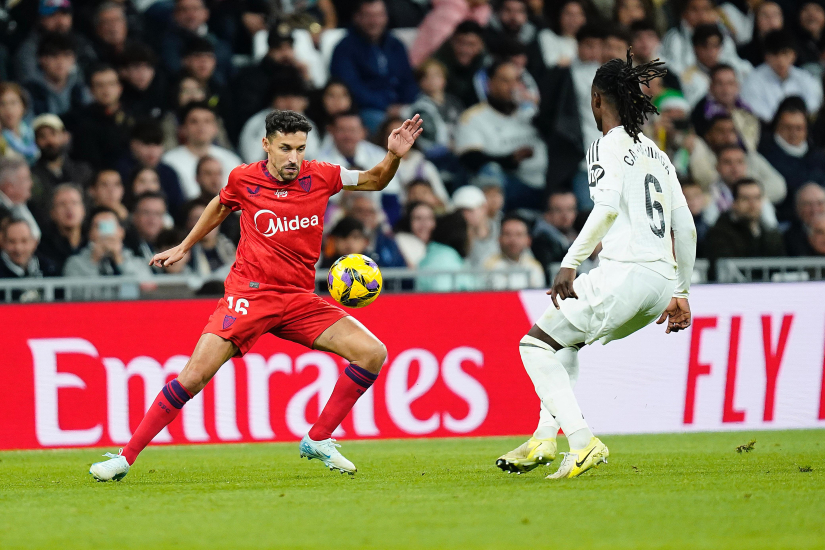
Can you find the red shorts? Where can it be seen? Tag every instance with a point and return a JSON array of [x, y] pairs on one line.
[[242, 316]]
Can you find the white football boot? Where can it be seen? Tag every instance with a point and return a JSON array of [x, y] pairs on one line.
[[113, 469], [327, 452]]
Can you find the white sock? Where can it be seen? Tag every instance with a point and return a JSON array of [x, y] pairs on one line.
[[548, 426], [552, 384], [579, 439]]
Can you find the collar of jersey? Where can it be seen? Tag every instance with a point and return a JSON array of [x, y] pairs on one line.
[[272, 178], [607, 134]]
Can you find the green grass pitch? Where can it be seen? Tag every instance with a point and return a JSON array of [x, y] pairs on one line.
[[660, 491]]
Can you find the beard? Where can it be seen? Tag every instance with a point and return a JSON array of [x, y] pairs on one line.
[[503, 106], [286, 176], [50, 153]]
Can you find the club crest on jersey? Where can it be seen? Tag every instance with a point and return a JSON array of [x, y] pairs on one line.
[[227, 321], [306, 183], [596, 173], [280, 193], [253, 192], [268, 223]]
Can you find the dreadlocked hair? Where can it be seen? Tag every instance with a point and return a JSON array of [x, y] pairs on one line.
[[621, 82]]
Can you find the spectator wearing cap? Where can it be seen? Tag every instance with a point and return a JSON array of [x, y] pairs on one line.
[[19, 259], [146, 151], [767, 17], [514, 258], [347, 237], [199, 129], [17, 132], [288, 96], [54, 166], [15, 191], [496, 141], [57, 87], [441, 22], [144, 87], [810, 205], [189, 20], [374, 64], [463, 55], [790, 152], [777, 78], [55, 16], [483, 231], [723, 98], [253, 85], [104, 124], [64, 236]]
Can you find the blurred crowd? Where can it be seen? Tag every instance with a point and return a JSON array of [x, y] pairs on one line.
[[121, 119]]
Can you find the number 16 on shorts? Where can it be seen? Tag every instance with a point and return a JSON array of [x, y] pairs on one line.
[[238, 306]]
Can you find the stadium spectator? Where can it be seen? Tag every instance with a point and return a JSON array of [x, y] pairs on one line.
[[421, 190], [189, 20], [107, 191], [777, 78], [438, 110], [381, 244], [722, 132], [767, 18], [510, 21], [188, 90], [496, 142], [559, 43], [199, 62], [739, 19], [482, 231], [15, 191], [413, 232], [707, 45], [810, 204], [18, 259], [58, 86], [111, 31], [816, 235], [616, 42], [144, 86], [464, 55], [495, 202], [515, 256], [63, 236], [209, 175], [55, 16], [811, 36], [555, 231], [17, 133], [146, 151], [670, 130], [446, 251], [105, 253], [441, 22], [347, 237], [214, 254], [526, 92], [104, 124], [374, 64], [739, 232], [731, 165], [723, 98], [147, 221], [697, 202], [677, 47], [627, 12], [141, 180], [334, 98], [199, 129], [286, 96], [791, 154], [170, 238]]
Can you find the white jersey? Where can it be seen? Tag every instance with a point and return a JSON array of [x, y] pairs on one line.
[[646, 181]]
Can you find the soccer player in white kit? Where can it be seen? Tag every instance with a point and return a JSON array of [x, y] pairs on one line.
[[638, 203]]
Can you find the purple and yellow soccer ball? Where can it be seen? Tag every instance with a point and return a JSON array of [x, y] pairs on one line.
[[354, 280]]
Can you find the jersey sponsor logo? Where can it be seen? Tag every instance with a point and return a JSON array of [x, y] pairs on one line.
[[306, 183], [281, 193], [268, 223], [253, 192], [596, 174]]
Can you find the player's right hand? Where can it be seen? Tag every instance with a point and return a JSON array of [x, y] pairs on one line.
[[677, 315], [563, 285], [168, 257]]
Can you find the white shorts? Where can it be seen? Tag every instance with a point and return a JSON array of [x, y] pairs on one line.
[[615, 300]]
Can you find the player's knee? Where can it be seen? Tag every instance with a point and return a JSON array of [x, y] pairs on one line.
[[374, 357], [194, 380]]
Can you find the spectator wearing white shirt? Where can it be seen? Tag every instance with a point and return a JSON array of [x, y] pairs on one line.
[[777, 78], [200, 128], [515, 256]]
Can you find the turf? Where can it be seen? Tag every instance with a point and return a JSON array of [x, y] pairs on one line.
[[661, 491]]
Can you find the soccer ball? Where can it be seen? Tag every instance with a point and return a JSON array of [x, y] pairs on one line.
[[354, 280]]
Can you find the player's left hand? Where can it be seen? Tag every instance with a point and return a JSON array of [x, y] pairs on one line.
[[168, 257], [563, 285], [677, 314], [402, 138]]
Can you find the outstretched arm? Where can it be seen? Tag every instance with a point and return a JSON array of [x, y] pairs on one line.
[[212, 217], [399, 143]]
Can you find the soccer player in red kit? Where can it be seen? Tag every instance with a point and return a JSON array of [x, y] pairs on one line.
[[270, 288]]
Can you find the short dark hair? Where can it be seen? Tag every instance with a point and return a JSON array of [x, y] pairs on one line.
[[776, 42], [344, 114], [495, 66], [591, 30], [683, 6], [719, 68], [97, 211], [100, 68], [731, 147], [347, 226], [170, 238], [286, 122], [643, 25], [64, 187], [404, 224], [358, 4], [451, 230], [137, 53], [620, 33], [740, 183], [14, 220], [507, 48], [190, 204], [203, 160], [703, 33], [714, 119], [500, 4], [149, 195], [55, 43], [101, 172], [198, 45], [147, 131], [195, 106], [514, 217], [469, 26]]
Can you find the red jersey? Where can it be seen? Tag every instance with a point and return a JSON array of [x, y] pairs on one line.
[[282, 223]]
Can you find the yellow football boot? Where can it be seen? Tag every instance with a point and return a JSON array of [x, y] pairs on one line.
[[577, 462], [528, 455]]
